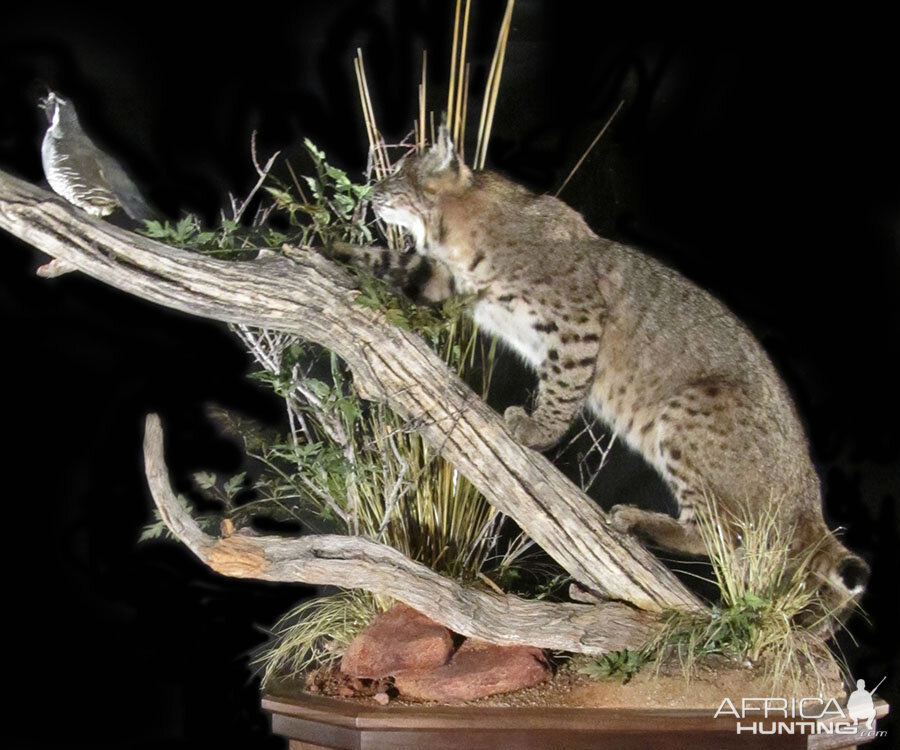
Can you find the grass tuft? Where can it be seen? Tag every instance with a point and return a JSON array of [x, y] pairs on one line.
[[316, 633], [763, 617]]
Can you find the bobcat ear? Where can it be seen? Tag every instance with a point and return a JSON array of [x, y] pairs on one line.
[[442, 155]]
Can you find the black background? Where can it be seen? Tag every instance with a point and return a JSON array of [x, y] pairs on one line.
[[756, 153]]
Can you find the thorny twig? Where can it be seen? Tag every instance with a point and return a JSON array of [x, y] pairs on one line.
[[238, 209], [598, 448], [587, 475]]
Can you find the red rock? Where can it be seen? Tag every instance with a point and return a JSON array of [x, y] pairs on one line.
[[396, 641], [382, 698], [477, 669]]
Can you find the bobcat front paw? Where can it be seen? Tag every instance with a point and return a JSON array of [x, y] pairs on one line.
[[528, 431]]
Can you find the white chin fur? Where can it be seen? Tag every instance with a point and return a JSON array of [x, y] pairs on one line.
[[405, 219]]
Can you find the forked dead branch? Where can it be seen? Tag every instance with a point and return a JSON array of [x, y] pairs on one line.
[[312, 297], [356, 562]]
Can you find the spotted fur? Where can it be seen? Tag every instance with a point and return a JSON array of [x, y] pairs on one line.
[[606, 327]]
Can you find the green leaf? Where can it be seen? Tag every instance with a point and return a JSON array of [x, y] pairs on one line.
[[234, 484], [338, 175], [205, 480], [753, 601], [350, 409], [156, 530], [282, 197], [314, 152], [344, 203], [321, 391], [155, 229], [293, 354], [625, 664], [185, 228], [275, 238]]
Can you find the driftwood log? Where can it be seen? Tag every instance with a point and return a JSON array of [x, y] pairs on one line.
[[355, 562], [313, 298]]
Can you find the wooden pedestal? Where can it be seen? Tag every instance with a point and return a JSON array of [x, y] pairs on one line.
[[312, 722]]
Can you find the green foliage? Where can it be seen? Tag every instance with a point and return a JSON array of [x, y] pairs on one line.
[[332, 211], [229, 241], [759, 620], [622, 665], [762, 619], [346, 465], [159, 530], [438, 325]]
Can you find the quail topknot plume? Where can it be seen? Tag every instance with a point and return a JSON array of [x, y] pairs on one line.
[[79, 171]]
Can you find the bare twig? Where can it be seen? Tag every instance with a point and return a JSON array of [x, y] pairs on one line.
[[590, 148], [238, 209]]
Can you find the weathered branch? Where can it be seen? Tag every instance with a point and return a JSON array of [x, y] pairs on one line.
[[355, 562], [313, 298]]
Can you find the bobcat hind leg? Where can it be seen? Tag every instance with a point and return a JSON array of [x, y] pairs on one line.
[[661, 530], [658, 529]]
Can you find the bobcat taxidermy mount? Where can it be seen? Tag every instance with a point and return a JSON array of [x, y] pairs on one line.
[[606, 327]]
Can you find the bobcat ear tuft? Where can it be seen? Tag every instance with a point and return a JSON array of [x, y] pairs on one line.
[[442, 155], [444, 139]]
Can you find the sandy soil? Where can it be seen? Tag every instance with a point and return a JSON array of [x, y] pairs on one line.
[[648, 689]]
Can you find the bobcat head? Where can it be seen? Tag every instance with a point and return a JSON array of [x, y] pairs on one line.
[[411, 197]]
